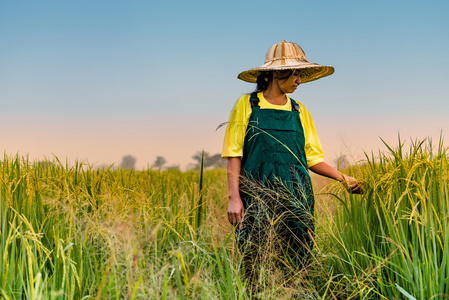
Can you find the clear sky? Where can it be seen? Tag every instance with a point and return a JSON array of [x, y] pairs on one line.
[[98, 80]]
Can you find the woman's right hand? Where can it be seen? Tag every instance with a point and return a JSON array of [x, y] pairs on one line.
[[235, 210], [235, 207]]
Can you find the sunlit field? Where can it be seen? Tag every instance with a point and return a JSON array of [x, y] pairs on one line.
[[78, 232]]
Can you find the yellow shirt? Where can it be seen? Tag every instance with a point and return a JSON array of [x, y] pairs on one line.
[[238, 122]]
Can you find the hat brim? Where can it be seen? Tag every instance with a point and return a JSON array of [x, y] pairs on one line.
[[308, 71]]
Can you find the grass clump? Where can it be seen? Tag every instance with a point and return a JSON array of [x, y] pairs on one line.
[[75, 232], [393, 241]]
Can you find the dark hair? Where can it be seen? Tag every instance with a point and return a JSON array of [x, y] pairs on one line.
[[266, 77], [263, 80]]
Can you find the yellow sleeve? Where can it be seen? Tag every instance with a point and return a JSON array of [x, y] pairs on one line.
[[314, 152], [236, 128]]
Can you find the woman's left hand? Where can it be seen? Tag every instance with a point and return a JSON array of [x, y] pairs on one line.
[[353, 185]]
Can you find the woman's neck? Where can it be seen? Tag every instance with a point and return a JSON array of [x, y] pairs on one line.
[[275, 96]]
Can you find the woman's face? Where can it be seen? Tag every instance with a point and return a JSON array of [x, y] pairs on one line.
[[287, 85]]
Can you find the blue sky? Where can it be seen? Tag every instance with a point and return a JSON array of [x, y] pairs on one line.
[[97, 80]]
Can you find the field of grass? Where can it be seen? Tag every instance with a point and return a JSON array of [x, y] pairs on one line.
[[75, 232]]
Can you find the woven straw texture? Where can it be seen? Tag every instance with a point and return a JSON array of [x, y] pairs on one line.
[[286, 56]]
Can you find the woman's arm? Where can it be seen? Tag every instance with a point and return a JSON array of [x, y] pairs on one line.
[[352, 185], [235, 207]]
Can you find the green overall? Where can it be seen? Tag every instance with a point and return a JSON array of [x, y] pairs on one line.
[[275, 188]]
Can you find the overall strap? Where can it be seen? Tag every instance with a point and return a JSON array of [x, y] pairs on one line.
[[295, 105], [254, 100]]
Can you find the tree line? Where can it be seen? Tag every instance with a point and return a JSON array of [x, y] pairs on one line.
[[210, 161]]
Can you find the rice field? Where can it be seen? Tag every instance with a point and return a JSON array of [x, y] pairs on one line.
[[78, 232]]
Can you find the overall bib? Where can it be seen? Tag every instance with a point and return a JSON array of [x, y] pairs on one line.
[[276, 189]]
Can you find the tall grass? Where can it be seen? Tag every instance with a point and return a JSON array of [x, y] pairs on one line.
[[393, 241], [76, 232]]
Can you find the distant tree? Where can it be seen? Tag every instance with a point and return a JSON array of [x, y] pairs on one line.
[[128, 162], [159, 162], [198, 157], [174, 167], [218, 161], [209, 161], [341, 162]]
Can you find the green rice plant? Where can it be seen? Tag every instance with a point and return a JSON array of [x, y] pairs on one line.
[[396, 234], [76, 232]]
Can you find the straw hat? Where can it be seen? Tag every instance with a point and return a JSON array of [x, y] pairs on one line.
[[286, 56]]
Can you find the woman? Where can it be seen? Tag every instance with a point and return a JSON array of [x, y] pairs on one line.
[[270, 144]]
